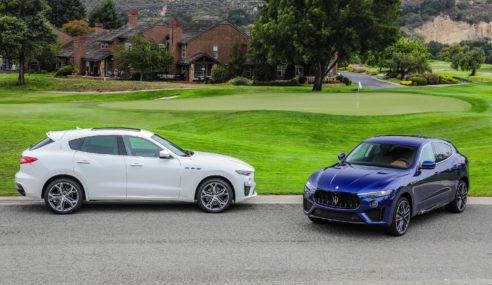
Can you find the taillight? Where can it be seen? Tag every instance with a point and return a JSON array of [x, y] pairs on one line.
[[27, 159]]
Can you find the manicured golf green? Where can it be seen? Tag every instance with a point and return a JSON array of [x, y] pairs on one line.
[[285, 132], [337, 104]]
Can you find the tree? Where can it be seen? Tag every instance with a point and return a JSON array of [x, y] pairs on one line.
[[144, 55], [464, 58], [24, 31], [64, 11], [108, 14], [408, 56], [77, 27], [321, 32], [237, 60]]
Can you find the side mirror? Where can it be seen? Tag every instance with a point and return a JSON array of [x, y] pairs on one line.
[[341, 156], [428, 165], [164, 154]]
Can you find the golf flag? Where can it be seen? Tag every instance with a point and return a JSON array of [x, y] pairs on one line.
[[360, 85]]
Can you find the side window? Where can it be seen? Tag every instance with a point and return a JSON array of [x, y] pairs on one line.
[[76, 144], [442, 151], [427, 154], [136, 146], [101, 145]]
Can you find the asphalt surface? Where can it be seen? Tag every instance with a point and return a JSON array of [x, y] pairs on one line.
[[368, 81], [250, 244]]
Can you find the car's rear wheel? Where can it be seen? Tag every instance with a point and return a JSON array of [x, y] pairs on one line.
[[214, 195], [63, 196], [401, 217], [459, 203]]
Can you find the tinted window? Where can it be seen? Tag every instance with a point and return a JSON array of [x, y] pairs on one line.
[[442, 151], [384, 155], [45, 142], [427, 154], [101, 145], [76, 144], [136, 146]]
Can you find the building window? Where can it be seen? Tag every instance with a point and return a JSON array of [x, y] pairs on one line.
[[183, 51], [183, 69], [104, 45], [162, 46], [215, 52]]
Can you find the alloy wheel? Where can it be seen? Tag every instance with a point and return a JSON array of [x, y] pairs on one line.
[[215, 196], [403, 216], [63, 197], [461, 196]]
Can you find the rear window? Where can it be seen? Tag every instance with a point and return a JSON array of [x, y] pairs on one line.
[[39, 145]]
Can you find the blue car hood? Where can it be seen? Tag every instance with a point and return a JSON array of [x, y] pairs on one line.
[[357, 178]]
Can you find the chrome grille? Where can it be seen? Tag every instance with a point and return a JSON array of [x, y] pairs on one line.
[[336, 199]]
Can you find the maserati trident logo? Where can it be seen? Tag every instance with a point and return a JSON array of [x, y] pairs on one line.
[[335, 198]]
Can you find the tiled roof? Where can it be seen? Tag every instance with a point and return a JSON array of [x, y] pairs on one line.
[[194, 28], [196, 57]]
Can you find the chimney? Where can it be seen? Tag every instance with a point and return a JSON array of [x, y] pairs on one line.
[[98, 28], [79, 46], [132, 18]]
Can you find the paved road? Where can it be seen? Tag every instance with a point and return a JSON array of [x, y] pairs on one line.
[[368, 81], [250, 244]]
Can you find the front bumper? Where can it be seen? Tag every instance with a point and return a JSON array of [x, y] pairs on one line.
[[246, 189], [366, 213]]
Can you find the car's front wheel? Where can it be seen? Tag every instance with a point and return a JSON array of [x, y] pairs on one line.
[[63, 196], [459, 203], [214, 195], [401, 217]]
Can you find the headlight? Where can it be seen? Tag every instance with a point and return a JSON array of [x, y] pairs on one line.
[[244, 172], [375, 194], [310, 186]]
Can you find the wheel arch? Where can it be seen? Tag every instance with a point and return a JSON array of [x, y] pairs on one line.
[[45, 186], [466, 180], [406, 193], [216, 177]]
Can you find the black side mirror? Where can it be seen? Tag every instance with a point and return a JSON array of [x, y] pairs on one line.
[[341, 156], [428, 165]]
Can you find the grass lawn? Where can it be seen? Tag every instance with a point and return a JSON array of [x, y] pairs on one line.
[[285, 132], [484, 74]]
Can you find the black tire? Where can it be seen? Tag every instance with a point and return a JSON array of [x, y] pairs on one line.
[[72, 198], [318, 220], [458, 205], [401, 217], [214, 195]]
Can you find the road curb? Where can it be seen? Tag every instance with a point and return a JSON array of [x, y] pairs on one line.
[[260, 200]]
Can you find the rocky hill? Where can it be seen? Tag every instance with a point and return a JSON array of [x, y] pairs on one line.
[[446, 21]]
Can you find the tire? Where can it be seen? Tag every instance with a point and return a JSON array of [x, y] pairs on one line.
[[63, 196], [318, 220], [214, 195], [458, 205], [400, 220]]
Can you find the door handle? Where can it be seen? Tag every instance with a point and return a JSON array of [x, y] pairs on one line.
[[83, 162], [136, 165]]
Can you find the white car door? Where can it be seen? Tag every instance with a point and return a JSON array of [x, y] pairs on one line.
[[99, 163], [148, 176]]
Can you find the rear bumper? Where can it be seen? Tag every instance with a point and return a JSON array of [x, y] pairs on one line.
[[20, 189], [365, 213], [27, 185]]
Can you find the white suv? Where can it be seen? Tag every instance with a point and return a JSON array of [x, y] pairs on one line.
[[70, 167]]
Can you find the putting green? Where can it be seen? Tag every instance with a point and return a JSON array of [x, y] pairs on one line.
[[337, 104]]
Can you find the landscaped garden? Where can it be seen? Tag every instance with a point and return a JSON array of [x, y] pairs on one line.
[[285, 132]]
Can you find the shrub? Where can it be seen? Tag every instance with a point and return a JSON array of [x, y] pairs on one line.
[[65, 71], [240, 81], [221, 74], [432, 79], [358, 68], [418, 81], [406, 82], [302, 80], [444, 79], [292, 82], [344, 80]]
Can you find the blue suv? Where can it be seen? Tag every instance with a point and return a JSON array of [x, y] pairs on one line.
[[387, 180]]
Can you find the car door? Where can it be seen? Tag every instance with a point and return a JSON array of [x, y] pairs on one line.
[[99, 163], [427, 183], [446, 170], [148, 176]]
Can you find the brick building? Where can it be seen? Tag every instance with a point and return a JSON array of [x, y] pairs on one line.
[[197, 46]]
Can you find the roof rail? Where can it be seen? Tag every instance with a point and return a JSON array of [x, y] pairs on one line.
[[116, 128], [412, 136]]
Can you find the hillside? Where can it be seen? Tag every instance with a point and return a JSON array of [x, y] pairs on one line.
[[446, 21]]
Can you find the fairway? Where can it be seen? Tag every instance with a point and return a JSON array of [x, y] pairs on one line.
[[336, 104]]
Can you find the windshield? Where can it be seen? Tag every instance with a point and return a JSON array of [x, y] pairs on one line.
[[171, 146], [383, 155]]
